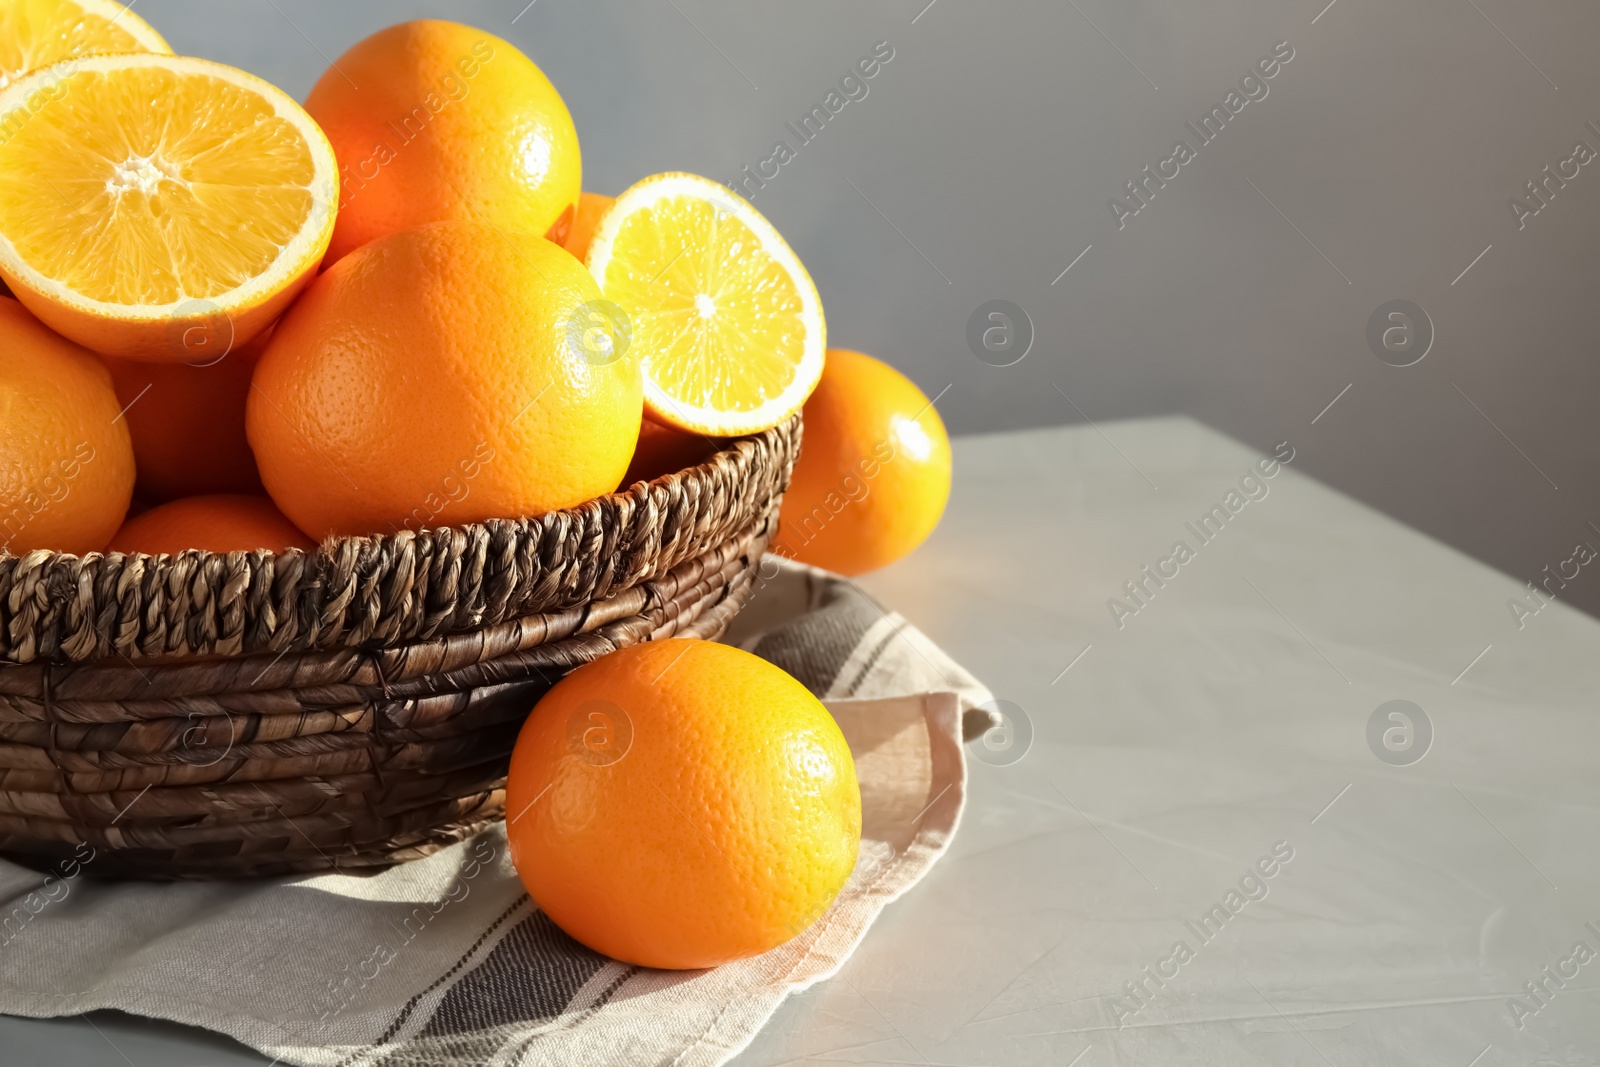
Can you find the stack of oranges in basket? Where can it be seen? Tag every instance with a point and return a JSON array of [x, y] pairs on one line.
[[237, 323]]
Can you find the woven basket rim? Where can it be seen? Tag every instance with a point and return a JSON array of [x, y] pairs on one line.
[[375, 590]]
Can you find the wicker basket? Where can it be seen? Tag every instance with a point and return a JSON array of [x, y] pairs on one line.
[[251, 714]]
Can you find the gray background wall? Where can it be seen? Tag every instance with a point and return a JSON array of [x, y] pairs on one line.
[[981, 163]]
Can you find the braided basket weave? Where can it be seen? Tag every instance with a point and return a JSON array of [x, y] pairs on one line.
[[252, 714]]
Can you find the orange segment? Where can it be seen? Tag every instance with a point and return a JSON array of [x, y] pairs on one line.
[[37, 33], [727, 323], [144, 195]]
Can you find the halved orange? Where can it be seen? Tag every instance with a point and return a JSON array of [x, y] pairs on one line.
[[147, 201], [727, 324], [38, 33]]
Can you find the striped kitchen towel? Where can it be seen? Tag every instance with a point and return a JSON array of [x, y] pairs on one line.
[[446, 961]]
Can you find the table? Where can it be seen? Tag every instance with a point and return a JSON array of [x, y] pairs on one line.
[[1217, 765]]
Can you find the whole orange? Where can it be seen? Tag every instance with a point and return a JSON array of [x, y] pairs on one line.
[[66, 464], [574, 232], [221, 523], [187, 422], [441, 375], [681, 804], [663, 450], [433, 120], [873, 475]]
